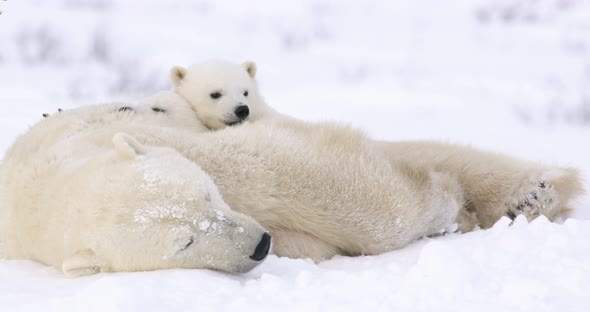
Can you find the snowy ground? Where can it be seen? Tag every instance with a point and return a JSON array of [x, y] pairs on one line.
[[511, 76]]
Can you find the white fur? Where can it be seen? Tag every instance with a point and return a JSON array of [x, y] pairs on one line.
[[170, 105], [319, 187], [494, 185], [88, 199], [194, 85]]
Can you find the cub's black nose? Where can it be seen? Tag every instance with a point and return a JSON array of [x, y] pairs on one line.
[[242, 111], [262, 249]]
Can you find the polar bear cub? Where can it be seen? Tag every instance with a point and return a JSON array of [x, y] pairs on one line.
[[217, 93], [221, 93]]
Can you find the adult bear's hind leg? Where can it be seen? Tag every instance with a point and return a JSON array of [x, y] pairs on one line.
[[546, 194]]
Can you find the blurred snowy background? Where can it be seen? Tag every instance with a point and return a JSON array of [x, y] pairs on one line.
[[506, 75], [372, 63]]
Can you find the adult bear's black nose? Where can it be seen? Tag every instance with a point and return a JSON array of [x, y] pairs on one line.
[[242, 111], [262, 249]]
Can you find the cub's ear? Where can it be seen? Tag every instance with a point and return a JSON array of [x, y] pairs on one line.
[[250, 68], [83, 262], [177, 74], [127, 146]]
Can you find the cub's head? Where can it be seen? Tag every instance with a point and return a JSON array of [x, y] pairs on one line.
[[151, 208], [222, 94]]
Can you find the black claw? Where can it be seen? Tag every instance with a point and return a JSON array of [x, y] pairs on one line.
[[125, 108], [511, 215], [158, 110], [45, 115]]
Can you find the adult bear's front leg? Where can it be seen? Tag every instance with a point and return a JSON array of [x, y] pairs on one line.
[[301, 245]]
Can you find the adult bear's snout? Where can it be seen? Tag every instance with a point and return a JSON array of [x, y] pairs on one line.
[[262, 249]]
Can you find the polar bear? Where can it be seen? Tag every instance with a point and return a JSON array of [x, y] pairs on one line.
[[222, 93], [495, 185], [318, 189], [219, 93], [87, 203], [215, 94]]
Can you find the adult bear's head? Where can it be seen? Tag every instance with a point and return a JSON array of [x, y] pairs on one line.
[[148, 208]]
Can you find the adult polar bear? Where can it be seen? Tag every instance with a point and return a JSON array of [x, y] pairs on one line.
[[73, 199], [494, 185], [68, 198]]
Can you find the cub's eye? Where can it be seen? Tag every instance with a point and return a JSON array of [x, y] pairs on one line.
[[215, 95], [246, 93]]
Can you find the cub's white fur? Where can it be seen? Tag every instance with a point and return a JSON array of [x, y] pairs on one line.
[[218, 90], [234, 87]]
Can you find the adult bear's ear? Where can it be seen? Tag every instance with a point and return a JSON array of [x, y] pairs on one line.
[[250, 68], [127, 146], [177, 74], [83, 262]]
